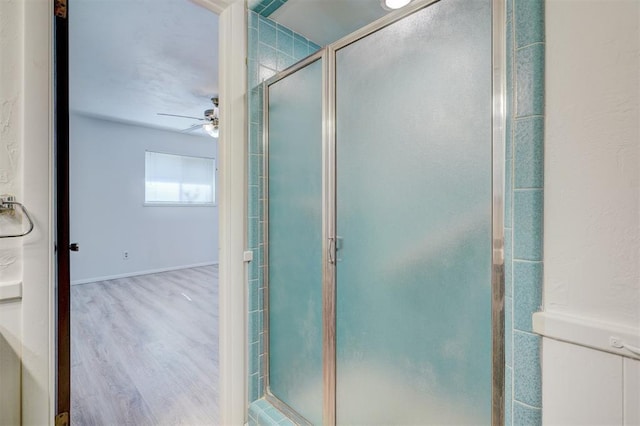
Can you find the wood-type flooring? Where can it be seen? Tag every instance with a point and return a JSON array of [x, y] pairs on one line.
[[144, 350]]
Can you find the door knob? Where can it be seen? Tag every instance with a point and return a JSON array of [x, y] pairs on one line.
[[74, 247]]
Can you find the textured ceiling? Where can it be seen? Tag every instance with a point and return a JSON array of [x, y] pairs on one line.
[[325, 21], [132, 59]]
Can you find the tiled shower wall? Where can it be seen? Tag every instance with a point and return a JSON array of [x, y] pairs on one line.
[[270, 51], [271, 48], [524, 209], [265, 7]]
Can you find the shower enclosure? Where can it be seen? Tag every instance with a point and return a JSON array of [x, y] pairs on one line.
[[384, 156]]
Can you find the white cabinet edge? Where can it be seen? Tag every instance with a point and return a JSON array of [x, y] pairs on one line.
[[10, 290], [587, 332]]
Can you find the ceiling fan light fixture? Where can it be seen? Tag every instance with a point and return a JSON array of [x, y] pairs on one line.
[[212, 129]]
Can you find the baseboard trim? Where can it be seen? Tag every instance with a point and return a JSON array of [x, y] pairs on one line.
[[137, 273], [587, 332]]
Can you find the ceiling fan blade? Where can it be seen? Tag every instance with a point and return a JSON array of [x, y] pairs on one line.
[[181, 116], [192, 128]]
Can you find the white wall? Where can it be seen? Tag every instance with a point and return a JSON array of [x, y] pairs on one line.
[[592, 212], [108, 215], [25, 322]]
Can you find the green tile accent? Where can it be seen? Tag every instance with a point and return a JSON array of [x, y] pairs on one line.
[[313, 47], [524, 415], [529, 16], [508, 264], [509, 107], [530, 80], [300, 48], [526, 369], [255, 171], [524, 207], [261, 384], [254, 388], [255, 139], [285, 29], [269, 9], [253, 20], [263, 413], [253, 47], [527, 224], [253, 201], [265, 7], [268, 56], [284, 42], [255, 328], [508, 194], [253, 358], [271, 47], [527, 288], [508, 331], [508, 396], [284, 60], [254, 297], [529, 154], [267, 33]]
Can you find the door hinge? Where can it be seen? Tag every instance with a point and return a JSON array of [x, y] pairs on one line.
[[60, 9], [62, 419]]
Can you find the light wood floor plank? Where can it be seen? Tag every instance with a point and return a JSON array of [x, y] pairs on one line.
[[144, 350]]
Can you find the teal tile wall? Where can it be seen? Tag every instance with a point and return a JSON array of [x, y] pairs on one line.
[[524, 181], [525, 415], [261, 413], [265, 7], [271, 48]]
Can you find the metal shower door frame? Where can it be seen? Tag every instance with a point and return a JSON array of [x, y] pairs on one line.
[[329, 238], [320, 55]]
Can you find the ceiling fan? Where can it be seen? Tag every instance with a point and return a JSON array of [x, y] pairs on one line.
[[210, 122]]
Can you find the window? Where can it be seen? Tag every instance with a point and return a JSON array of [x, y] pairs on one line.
[[179, 179]]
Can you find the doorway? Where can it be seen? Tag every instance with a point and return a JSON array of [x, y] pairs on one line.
[[167, 254]]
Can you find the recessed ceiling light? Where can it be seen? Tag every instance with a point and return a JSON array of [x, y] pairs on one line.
[[394, 4]]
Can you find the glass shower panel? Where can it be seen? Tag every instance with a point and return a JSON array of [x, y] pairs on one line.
[[295, 241], [414, 213]]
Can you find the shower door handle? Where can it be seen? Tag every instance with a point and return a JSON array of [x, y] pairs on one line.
[[332, 251], [335, 245]]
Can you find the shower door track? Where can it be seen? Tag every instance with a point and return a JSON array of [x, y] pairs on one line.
[[329, 238]]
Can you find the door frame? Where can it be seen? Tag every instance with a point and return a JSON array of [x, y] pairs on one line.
[[232, 223]]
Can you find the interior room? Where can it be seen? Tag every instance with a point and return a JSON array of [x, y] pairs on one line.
[[426, 212], [143, 213]]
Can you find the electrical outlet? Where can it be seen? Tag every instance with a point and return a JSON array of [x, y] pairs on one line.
[[125, 255]]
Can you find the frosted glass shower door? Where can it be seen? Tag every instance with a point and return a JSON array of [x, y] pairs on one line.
[[414, 167], [295, 241]]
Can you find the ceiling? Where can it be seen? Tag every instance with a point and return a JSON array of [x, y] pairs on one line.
[[131, 59], [325, 21]]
